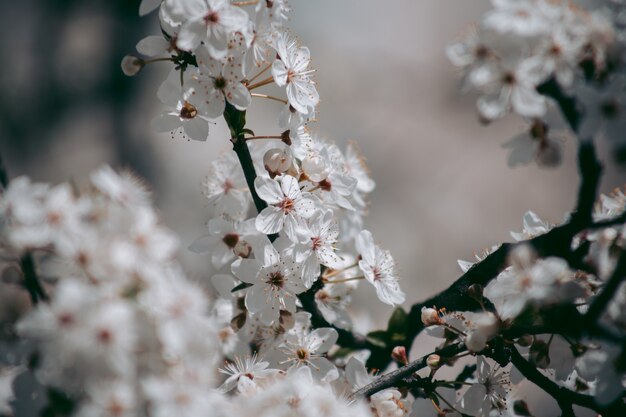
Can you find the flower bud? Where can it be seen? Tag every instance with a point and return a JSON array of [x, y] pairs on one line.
[[433, 361], [430, 316], [277, 161], [315, 167], [131, 65], [399, 355]]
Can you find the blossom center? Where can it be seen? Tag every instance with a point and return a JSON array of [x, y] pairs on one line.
[[188, 111], [276, 280], [302, 354], [287, 205], [227, 186], [211, 18], [316, 242], [219, 83]]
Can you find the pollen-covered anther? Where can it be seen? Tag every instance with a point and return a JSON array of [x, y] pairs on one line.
[[276, 280], [287, 205], [188, 111]]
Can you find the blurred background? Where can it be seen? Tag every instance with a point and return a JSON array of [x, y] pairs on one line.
[[444, 190]]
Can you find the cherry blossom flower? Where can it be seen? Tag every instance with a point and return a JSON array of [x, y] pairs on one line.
[[275, 280], [379, 269], [320, 249], [211, 22], [488, 392], [218, 82], [244, 372], [225, 187], [288, 207], [533, 226], [531, 281], [307, 348], [184, 111], [292, 69]]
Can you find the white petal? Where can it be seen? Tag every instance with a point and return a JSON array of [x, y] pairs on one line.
[[190, 35], [269, 190], [153, 45], [147, 6], [239, 96], [270, 220], [257, 299], [321, 340], [166, 122], [197, 129], [246, 270]]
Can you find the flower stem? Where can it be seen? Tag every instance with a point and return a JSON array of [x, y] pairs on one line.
[[266, 81], [344, 280], [268, 66], [269, 97]]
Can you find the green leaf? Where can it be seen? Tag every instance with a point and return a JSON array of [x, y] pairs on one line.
[[377, 338], [398, 322]]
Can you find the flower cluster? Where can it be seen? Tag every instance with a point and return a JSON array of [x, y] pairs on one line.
[[125, 333], [525, 53]]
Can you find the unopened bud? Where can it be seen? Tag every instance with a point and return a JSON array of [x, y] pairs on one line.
[[399, 355], [433, 361], [277, 161], [430, 316], [526, 340], [315, 168], [131, 65]]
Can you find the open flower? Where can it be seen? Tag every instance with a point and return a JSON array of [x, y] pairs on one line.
[[379, 269], [288, 207]]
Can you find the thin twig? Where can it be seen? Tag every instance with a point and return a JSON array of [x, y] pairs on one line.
[[391, 379]]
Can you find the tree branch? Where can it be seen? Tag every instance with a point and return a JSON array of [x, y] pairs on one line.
[[564, 397], [391, 379]]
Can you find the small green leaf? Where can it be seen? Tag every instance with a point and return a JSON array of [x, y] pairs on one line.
[[398, 322], [377, 338]]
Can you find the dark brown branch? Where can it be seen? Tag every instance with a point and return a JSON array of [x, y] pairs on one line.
[[392, 379], [564, 397], [31, 281]]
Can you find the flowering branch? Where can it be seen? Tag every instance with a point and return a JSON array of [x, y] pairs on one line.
[[564, 397], [391, 379]]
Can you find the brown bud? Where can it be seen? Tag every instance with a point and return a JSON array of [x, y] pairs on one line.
[[399, 355]]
